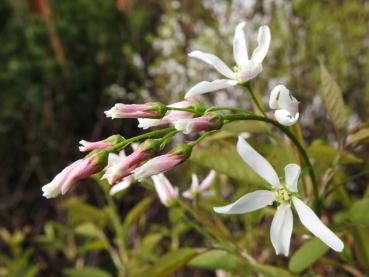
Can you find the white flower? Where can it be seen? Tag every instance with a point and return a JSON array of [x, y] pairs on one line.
[[285, 196], [111, 171], [122, 185], [246, 68], [197, 188], [286, 106], [166, 192]]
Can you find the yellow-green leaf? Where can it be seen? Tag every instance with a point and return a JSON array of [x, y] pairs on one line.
[[360, 136], [333, 100], [307, 254], [86, 272], [216, 259], [170, 262], [359, 212]]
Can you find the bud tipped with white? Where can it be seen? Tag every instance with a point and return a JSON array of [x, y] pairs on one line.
[[166, 192]]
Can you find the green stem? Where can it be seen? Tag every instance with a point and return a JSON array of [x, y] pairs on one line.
[[221, 108], [249, 88], [189, 110], [124, 143], [200, 138], [304, 155]]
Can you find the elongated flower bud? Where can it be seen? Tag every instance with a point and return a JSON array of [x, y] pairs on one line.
[[211, 121], [166, 192], [124, 167], [170, 117], [87, 146], [148, 110], [78, 170], [163, 163]]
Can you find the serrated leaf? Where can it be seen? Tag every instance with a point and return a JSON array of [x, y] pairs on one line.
[[333, 100], [86, 272], [307, 254], [170, 262], [216, 259], [360, 136], [359, 212]]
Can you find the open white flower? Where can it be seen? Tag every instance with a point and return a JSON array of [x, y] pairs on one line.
[[245, 69], [285, 195], [197, 187], [286, 106]]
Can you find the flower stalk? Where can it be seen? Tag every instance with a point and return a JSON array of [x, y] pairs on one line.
[[316, 199]]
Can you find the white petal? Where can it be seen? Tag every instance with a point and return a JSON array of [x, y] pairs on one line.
[[281, 98], [205, 86], [249, 71], [260, 165], [275, 95], [239, 45], [285, 118], [263, 45], [195, 182], [281, 229], [146, 123], [314, 225], [248, 203], [213, 60], [208, 180], [292, 172], [125, 183]]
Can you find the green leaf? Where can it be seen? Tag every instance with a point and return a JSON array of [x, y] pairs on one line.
[[170, 262], [360, 136], [222, 156], [86, 272], [361, 244], [137, 211], [359, 212], [307, 254], [88, 230], [216, 259], [324, 155], [78, 212], [270, 271], [332, 96]]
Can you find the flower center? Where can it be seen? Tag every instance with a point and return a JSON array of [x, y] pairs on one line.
[[282, 194], [238, 71]]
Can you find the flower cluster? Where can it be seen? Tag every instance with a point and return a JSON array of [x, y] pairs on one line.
[[109, 156]]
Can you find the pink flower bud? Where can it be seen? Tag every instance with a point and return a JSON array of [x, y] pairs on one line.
[[65, 180], [148, 110], [124, 167], [87, 146], [211, 121], [158, 165], [166, 192], [173, 115], [170, 116]]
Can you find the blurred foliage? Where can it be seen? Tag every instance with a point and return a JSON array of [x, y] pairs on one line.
[[64, 62]]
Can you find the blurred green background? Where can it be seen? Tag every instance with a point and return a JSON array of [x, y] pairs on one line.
[[62, 63]]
